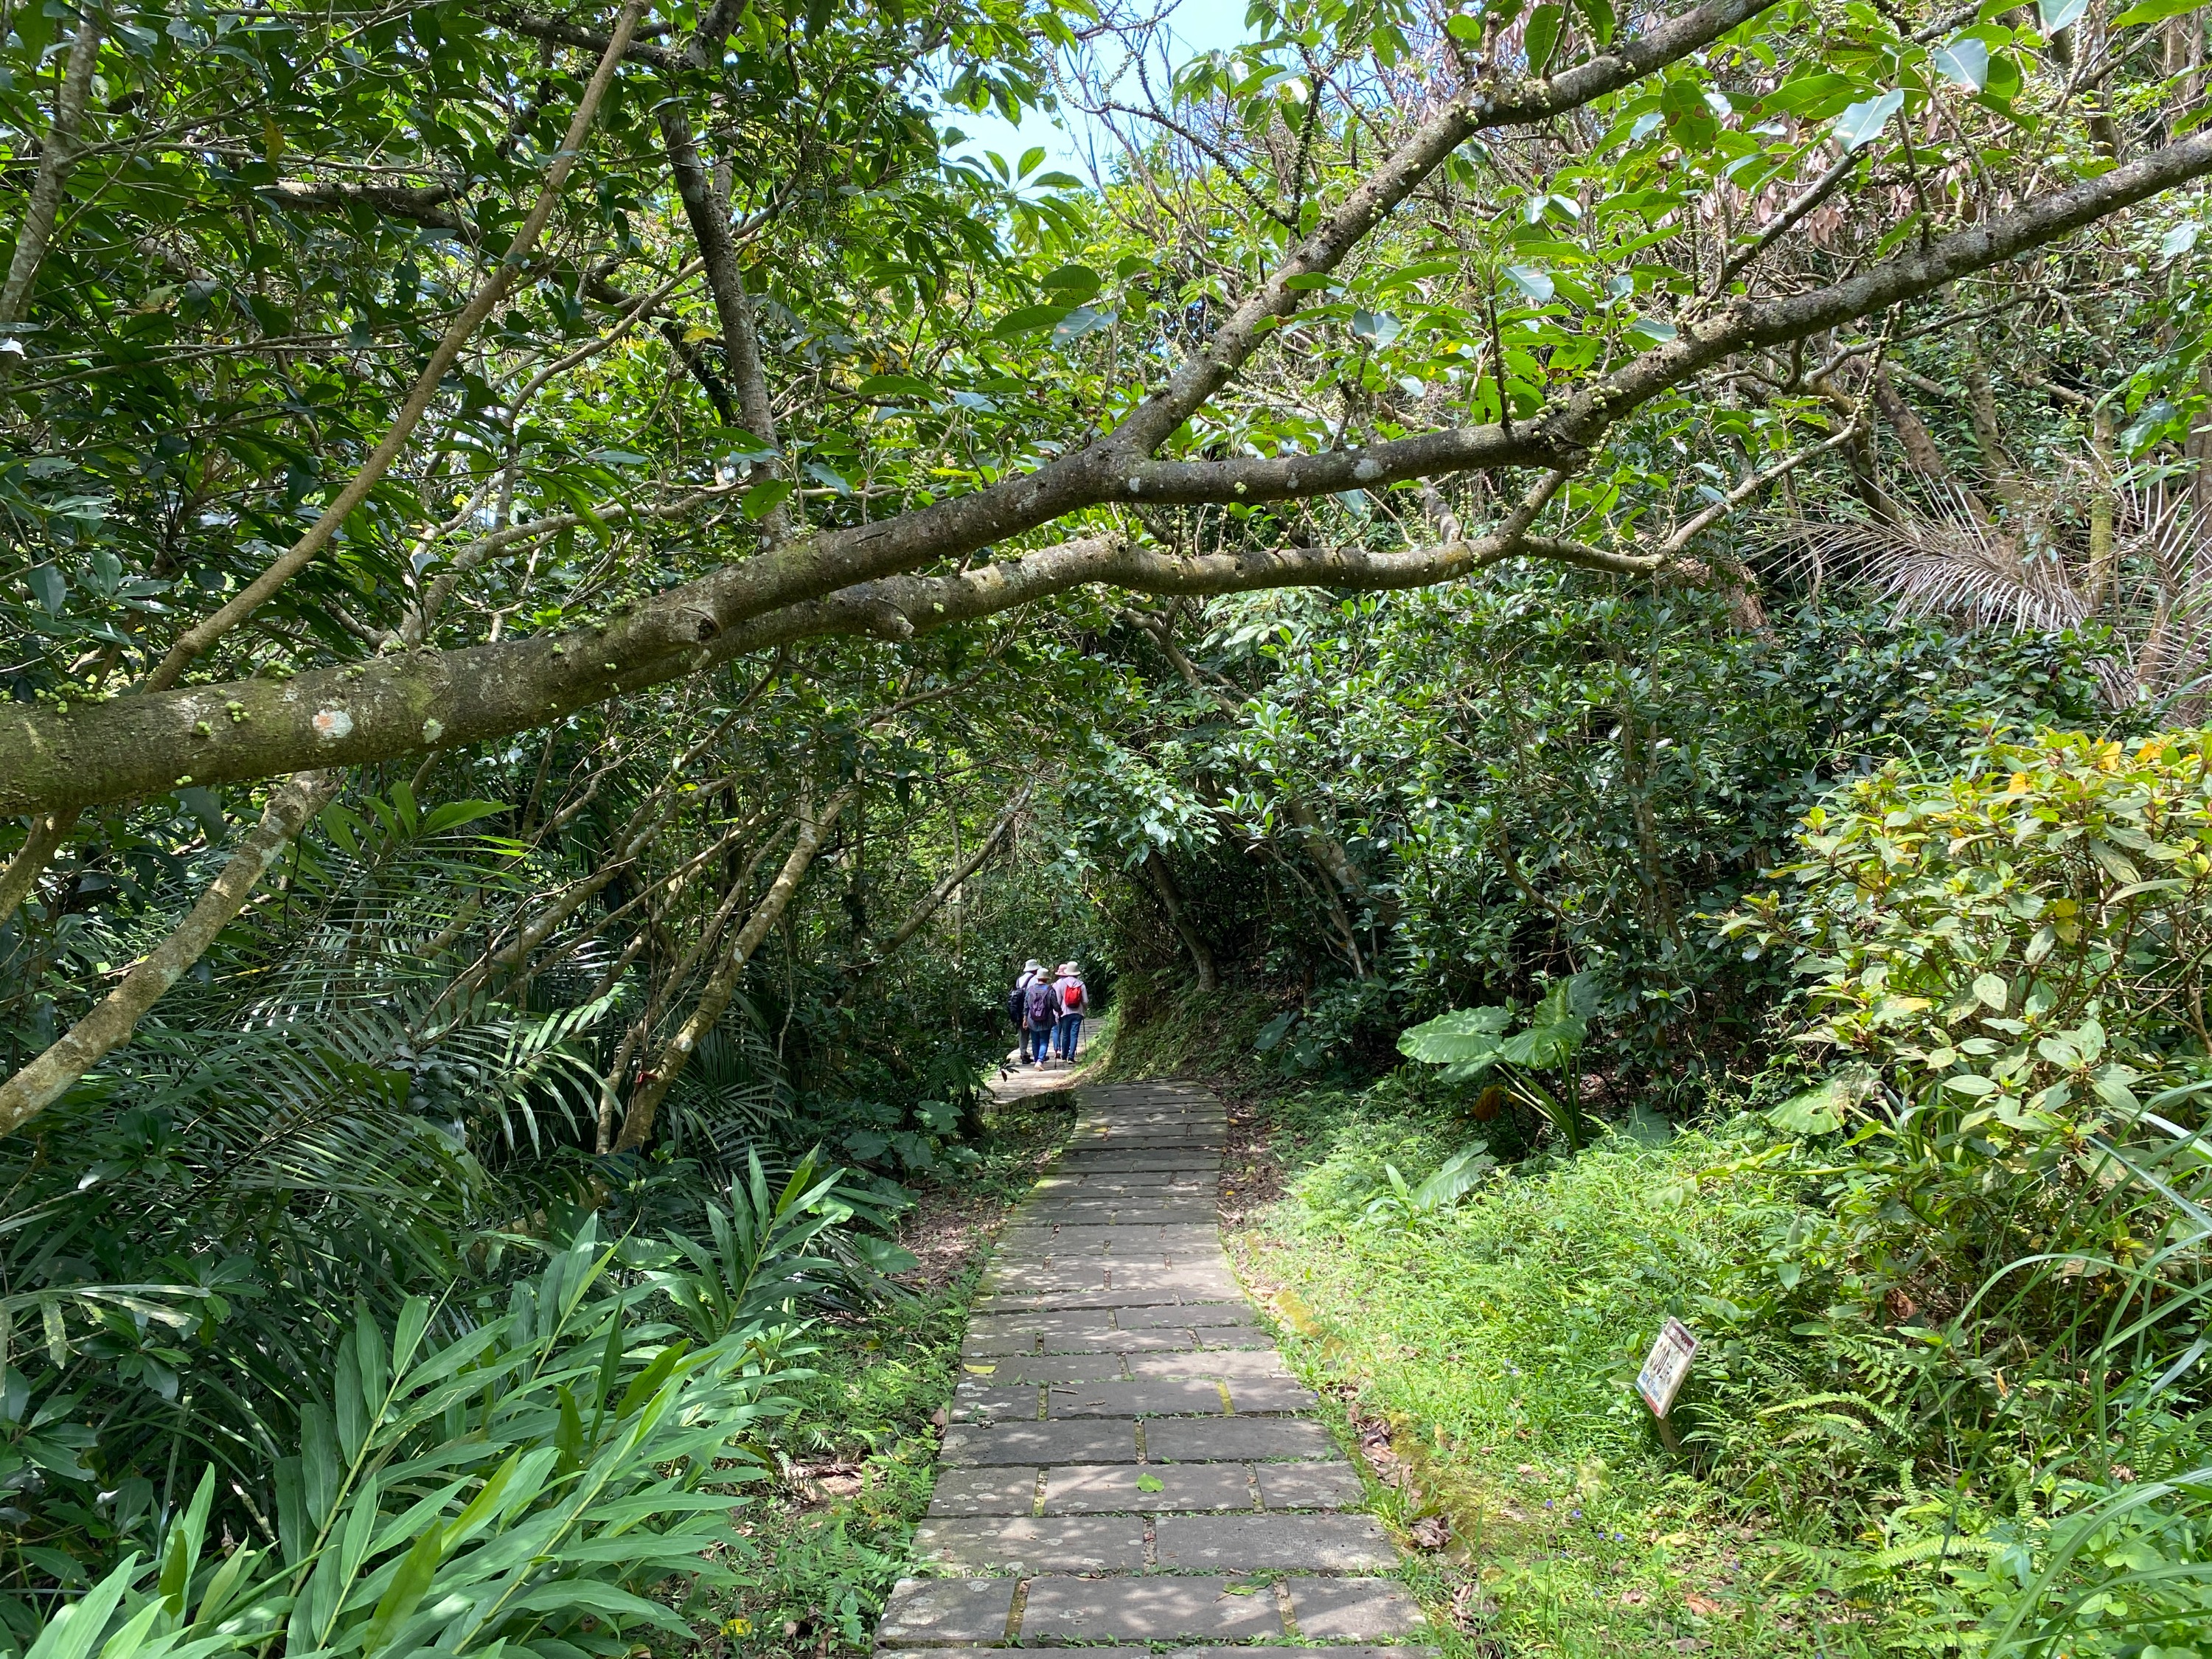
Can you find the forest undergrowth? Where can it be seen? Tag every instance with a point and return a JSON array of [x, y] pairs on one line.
[[858, 1453]]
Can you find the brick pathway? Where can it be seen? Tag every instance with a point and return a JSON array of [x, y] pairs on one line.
[[1129, 1459]]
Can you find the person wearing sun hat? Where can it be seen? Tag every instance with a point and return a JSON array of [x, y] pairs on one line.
[[1072, 998], [1027, 1046]]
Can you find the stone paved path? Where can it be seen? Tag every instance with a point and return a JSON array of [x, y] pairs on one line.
[[1129, 1460]]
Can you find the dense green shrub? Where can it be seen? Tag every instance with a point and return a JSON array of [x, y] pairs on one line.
[[2006, 962]]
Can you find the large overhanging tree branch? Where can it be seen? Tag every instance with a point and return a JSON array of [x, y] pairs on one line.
[[826, 582]]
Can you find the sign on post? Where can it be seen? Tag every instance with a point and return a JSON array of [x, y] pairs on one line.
[[1666, 1367]]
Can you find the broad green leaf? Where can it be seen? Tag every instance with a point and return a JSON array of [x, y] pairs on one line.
[[74, 1628], [1074, 283], [1541, 37], [2056, 15], [1965, 61], [1463, 1036], [2154, 11], [48, 586], [1689, 118], [1821, 1109], [1861, 124], [1531, 281], [763, 498], [1029, 319]]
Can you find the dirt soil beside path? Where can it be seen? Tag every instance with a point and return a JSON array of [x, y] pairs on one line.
[[951, 1227]]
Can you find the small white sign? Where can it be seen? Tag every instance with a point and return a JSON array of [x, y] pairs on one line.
[[1666, 1367]]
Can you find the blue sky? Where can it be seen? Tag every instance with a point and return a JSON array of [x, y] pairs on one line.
[[1197, 25]]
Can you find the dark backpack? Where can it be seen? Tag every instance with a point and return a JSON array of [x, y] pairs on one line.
[[1041, 999], [1017, 999]]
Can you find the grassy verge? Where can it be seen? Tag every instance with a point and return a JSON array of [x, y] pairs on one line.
[[859, 1451], [1484, 1359]]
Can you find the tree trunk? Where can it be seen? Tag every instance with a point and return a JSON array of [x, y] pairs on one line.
[[653, 1087], [1163, 883]]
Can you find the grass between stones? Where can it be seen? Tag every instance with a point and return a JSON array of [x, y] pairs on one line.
[[858, 1452]]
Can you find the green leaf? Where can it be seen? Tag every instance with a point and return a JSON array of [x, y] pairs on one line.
[[1538, 286], [1992, 990], [185, 1535], [33, 27], [2056, 15], [650, 1379], [2153, 11], [1029, 319], [71, 1631], [1861, 124], [894, 386], [48, 586], [1965, 61], [1151, 1482], [406, 1589], [1463, 1036], [1073, 283], [1689, 118], [1542, 36], [1821, 1109], [1599, 14], [763, 498], [568, 1432]]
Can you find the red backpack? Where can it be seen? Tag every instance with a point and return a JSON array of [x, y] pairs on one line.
[[1071, 996]]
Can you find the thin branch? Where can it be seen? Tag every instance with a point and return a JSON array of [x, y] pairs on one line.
[[197, 638], [54, 160], [108, 1026], [927, 906]]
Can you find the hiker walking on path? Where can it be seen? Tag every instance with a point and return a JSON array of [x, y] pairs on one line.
[[1072, 1000], [1018, 1010], [1041, 1007]]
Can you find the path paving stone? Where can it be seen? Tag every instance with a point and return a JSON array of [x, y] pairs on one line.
[[1005, 1491], [1303, 1485], [1130, 1461], [1247, 1439], [946, 1610], [1246, 1543], [1040, 1443], [1228, 1363], [1149, 1609], [1352, 1609], [1181, 1397], [1093, 1489], [1066, 1543]]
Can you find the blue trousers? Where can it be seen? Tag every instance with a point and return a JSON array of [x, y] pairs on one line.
[[1065, 1035]]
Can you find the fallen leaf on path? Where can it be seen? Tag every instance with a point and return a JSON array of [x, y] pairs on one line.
[[1430, 1532]]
